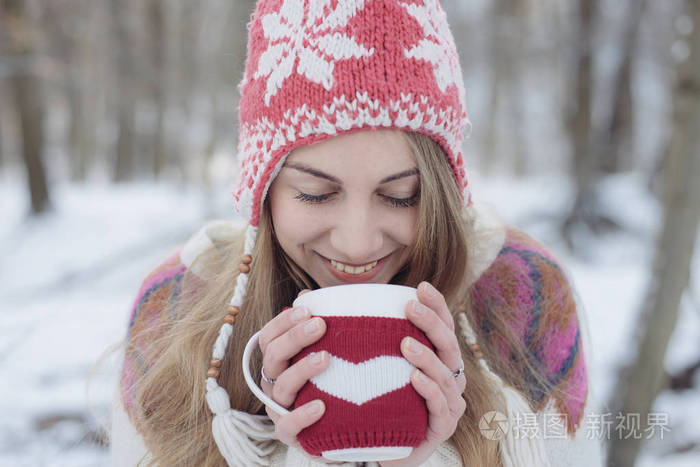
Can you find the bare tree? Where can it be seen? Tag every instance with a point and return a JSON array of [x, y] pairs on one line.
[[125, 100], [158, 79], [643, 379], [585, 210], [237, 41], [81, 89], [506, 43], [27, 92], [182, 28], [2, 136], [66, 23], [618, 142]]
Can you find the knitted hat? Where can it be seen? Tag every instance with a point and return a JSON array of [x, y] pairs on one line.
[[317, 69]]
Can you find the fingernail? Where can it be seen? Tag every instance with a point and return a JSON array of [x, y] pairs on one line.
[[315, 357], [429, 289], [414, 346], [314, 408], [418, 309], [299, 314], [311, 327]]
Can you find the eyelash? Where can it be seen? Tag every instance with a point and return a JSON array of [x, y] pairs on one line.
[[396, 202]]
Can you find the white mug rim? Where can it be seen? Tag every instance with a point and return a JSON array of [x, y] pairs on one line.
[[349, 292]]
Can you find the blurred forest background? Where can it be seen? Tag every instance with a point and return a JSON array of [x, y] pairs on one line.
[[594, 104]]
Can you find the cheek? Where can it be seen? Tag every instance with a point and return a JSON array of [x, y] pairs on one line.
[[294, 224], [406, 227]]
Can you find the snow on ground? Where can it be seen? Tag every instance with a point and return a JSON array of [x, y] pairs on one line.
[[68, 280]]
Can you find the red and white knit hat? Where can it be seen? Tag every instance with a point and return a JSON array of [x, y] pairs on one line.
[[317, 69], [321, 68]]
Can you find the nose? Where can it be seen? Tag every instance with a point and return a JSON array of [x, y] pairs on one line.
[[357, 235]]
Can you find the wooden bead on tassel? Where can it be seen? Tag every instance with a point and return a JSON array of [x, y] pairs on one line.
[[476, 351], [233, 310], [216, 363], [213, 372], [230, 319], [247, 259], [244, 268]]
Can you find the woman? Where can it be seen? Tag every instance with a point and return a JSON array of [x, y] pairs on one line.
[[352, 117]]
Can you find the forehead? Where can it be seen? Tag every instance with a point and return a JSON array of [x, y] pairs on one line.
[[377, 150]]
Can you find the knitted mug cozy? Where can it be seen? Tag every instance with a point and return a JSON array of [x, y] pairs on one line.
[[320, 68], [370, 402], [372, 411]]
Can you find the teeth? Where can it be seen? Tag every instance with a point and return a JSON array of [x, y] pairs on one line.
[[352, 270]]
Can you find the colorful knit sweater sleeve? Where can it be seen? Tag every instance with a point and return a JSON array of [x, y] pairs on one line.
[[526, 284], [160, 288]]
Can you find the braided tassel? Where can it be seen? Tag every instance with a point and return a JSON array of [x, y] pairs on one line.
[[242, 438], [514, 452]]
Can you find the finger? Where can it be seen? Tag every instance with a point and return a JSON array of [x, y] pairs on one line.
[[292, 379], [280, 324], [274, 416], [442, 337], [267, 389], [441, 420], [425, 360], [283, 348], [432, 298], [288, 426]]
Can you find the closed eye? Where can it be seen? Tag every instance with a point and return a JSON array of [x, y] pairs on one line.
[[395, 202]]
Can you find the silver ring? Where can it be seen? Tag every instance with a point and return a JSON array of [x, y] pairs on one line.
[[265, 377], [459, 372]]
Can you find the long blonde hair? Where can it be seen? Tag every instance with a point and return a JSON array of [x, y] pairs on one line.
[[170, 408]]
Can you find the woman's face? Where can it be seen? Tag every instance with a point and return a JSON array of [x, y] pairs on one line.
[[351, 199]]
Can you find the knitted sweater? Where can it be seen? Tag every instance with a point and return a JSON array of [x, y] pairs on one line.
[[508, 271]]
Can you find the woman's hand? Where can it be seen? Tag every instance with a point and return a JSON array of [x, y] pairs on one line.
[[280, 339], [433, 378]]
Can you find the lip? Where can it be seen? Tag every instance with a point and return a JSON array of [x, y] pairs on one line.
[[355, 278]]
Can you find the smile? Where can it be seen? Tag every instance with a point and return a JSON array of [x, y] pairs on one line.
[[351, 274], [352, 270]]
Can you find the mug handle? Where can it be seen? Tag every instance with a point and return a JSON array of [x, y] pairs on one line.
[[252, 343]]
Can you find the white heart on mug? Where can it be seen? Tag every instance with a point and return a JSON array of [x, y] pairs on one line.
[[364, 381]]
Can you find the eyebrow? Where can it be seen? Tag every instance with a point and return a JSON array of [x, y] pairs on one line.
[[331, 178]]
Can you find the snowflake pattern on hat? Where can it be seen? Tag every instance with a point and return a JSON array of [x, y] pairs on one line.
[[436, 47], [317, 41]]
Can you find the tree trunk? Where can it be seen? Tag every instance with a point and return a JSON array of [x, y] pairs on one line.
[[237, 41], [642, 381], [506, 46], [26, 89], [60, 20], [125, 99], [82, 99], [584, 165], [158, 80], [619, 135], [27, 92], [2, 121], [78, 162]]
